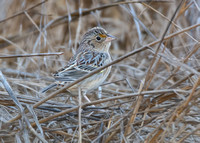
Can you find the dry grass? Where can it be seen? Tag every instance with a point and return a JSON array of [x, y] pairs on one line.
[[152, 94]]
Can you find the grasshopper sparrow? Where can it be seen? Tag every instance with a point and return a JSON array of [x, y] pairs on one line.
[[93, 52]]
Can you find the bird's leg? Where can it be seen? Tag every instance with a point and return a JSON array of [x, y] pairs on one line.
[[85, 96], [100, 92]]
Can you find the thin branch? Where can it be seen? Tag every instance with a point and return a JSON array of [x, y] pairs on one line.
[[30, 55]]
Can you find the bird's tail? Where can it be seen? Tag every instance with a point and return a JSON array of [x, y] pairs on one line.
[[49, 87]]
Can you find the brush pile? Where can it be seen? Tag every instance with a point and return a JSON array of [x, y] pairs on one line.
[[152, 94]]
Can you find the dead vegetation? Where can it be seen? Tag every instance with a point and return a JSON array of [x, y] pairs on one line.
[[151, 95]]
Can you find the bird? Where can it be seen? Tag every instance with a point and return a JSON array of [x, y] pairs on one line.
[[92, 53]]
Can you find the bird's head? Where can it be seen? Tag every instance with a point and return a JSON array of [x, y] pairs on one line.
[[98, 39]]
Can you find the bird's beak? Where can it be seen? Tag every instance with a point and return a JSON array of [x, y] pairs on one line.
[[110, 38]]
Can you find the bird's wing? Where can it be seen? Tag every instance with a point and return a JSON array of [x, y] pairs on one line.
[[84, 63]]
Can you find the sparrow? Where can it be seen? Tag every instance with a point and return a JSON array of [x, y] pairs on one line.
[[92, 53]]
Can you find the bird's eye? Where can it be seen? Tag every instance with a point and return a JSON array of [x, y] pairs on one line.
[[98, 38]]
